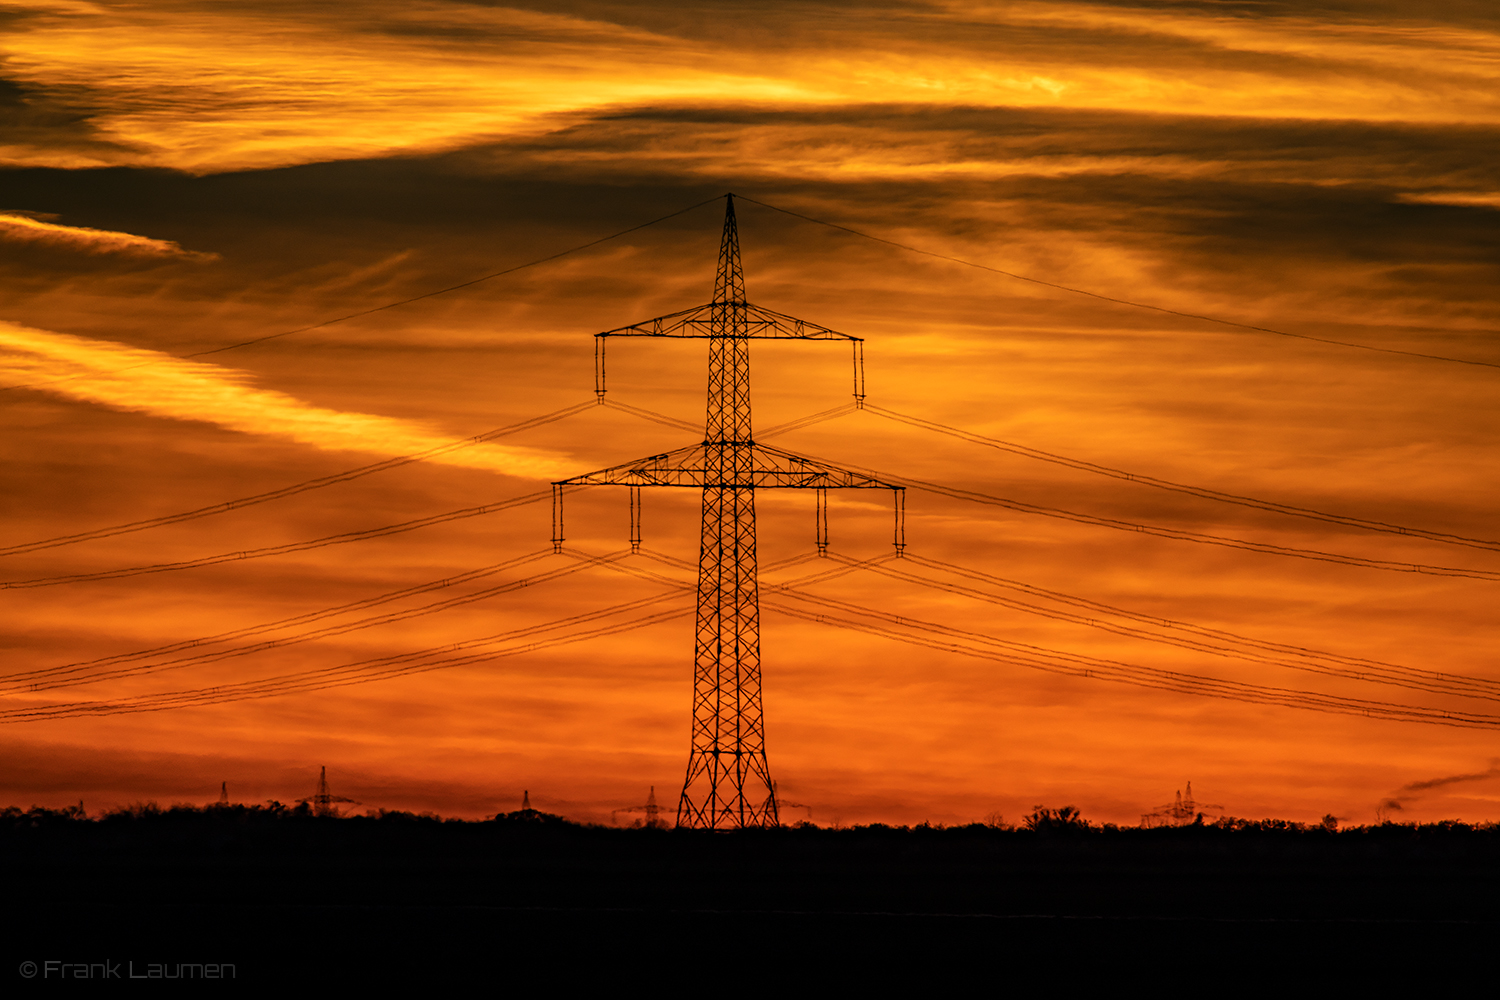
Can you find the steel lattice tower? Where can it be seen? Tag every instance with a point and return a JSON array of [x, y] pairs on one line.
[[728, 781], [322, 801], [728, 742]]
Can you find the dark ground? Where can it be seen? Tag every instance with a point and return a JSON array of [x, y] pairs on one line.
[[533, 900]]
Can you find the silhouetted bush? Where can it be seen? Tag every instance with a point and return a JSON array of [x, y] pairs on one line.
[[1051, 821]]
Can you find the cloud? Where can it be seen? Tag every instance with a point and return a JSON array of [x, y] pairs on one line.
[[145, 381], [34, 227], [1452, 779], [1466, 200], [1408, 792], [271, 85]]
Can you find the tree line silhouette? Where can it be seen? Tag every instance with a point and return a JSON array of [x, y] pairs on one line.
[[144, 818]]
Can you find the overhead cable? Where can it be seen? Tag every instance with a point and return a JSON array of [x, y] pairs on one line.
[[388, 305], [278, 550], [80, 677], [363, 671], [1118, 301], [948, 639], [1234, 647], [847, 566], [1165, 484], [293, 490], [1354, 662], [26, 677], [792, 425], [1176, 534]]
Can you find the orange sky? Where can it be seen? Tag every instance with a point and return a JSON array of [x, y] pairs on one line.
[[181, 176]]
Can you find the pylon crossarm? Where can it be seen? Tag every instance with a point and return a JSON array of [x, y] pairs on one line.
[[759, 324], [792, 327], [797, 472], [707, 322], [771, 468], [667, 469]]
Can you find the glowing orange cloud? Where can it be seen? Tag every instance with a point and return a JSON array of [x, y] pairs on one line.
[[28, 229], [268, 87], [129, 378]]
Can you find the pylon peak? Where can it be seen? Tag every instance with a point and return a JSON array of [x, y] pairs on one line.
[[729, 282]]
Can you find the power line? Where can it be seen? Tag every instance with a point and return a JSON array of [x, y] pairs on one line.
[[69, 675], [1015, 654], [1073, 664], [361, 672], [75, 678], [1117, 301], [1177, 534], [1354, 668], [902, 628], [381, 668], [1254, 651], [331, 480], [278, 550], [1204, 492], [1165, 484], [848, 566], [652, 415], [1156, 620], [27, 676], [380, 308], [1369, 671], [293, 490], [886, 625], [832, 413], [32, 676]]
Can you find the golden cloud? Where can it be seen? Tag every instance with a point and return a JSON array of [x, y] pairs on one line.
[[207, 88], [27, 228], [146, 381]]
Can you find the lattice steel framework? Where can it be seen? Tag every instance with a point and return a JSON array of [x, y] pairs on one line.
[[322, 801], [728, 781]]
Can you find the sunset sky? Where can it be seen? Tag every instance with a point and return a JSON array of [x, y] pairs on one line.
[[184, 176]]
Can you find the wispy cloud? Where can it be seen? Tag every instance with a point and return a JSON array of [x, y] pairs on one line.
[[1490, 199], [271, 85], [145, 381], [1406, 793], [28, 227]]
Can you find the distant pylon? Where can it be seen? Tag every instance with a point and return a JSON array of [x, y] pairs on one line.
[[1183, 812], [788, 804], [651, 809], [323, 799], [223, 793], [728, 781]]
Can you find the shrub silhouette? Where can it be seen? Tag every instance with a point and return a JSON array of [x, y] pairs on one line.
[[1064, 820]]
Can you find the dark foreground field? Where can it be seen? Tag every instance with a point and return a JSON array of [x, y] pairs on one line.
[[282, 896]]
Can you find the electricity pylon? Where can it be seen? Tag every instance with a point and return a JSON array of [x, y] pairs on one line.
[[1182, 812], [728, 781], [322, 801], [651, 809]]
